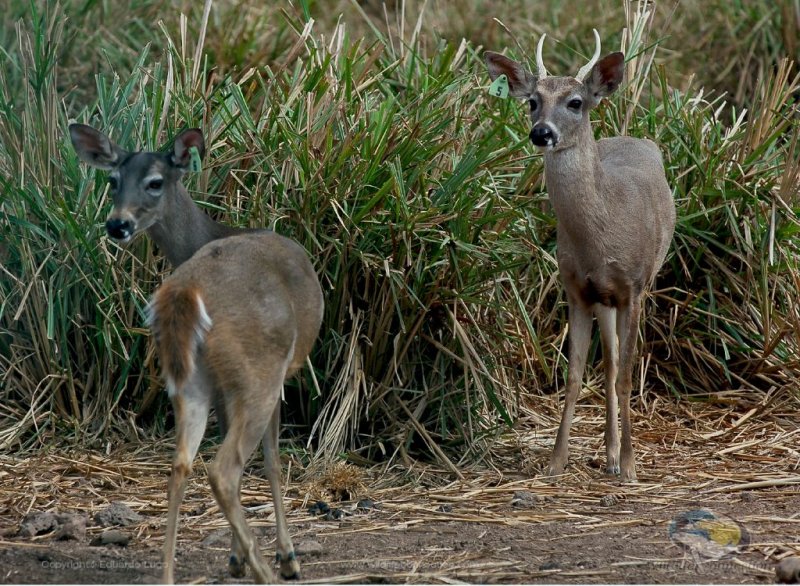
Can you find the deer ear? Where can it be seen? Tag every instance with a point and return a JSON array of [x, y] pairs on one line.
[[520, 80], [185, 141], [606, 76], [95, 148]]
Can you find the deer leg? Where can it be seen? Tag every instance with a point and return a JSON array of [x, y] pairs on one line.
[[580, 331], [237, 566], [219, 407], [628, 331], [191, 405], [290, 568], [247, 422], [607, 320]]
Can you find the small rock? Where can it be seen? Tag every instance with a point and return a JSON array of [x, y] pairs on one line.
[[524, 499], [366, 505], [445, 508], [218, 538], [309, 548], [334, 515], [549, 566], [319, 508], [609, 500], [37, 523], [44, 556], [748, 497], [788, 571], [111, 537], [117, 514], [71, 527]]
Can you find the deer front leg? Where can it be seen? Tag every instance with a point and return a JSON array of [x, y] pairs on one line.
[[607, 319], [628, 331], [580, 331]]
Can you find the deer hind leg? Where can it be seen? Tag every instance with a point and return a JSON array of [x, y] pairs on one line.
[[628, 331], [191, 405], [290, 568], [607, 320], [247, 422], [580, 331]]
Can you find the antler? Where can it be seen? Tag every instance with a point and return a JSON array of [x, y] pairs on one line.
[[586, 69], [541, 72]]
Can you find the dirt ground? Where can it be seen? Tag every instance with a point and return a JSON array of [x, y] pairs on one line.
[[627, 545], [499, 524]]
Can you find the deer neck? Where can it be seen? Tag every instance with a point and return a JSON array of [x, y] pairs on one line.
[[575, 179], [185, 228]]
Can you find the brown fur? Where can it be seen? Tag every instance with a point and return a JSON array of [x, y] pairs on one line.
[[178, 328], [265, 306], [615, 223]]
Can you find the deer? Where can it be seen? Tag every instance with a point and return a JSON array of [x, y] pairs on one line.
[[238, 315], [615, 220]]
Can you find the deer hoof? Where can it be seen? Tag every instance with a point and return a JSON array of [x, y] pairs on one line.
[[612, 469], [236, 567], [290, 568]]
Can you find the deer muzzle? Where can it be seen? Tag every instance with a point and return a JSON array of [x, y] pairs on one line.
[[119, 229], [543, 136]]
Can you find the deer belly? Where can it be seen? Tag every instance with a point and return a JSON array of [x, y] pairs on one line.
[[605, 286]]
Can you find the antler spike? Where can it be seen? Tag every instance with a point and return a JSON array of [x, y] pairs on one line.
[[541, 72], [586, 69]]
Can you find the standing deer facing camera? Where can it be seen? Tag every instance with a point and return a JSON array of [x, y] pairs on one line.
[[238, 315], [615, 217]]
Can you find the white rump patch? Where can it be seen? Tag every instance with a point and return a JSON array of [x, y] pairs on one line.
[[150, 312], [204, 323]]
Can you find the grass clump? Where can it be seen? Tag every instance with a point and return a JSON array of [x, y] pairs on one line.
[[415, 193]]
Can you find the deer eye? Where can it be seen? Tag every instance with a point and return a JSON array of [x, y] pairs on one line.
[[574, 104], [534, 105], [112, 183], [155, 184]]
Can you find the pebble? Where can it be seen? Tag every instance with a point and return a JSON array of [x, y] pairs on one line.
[[117, 514], [788, 571], [334, 515], [218, 538], [309, 548], [111, 537], [609, 500], [37, 523], [319, 508], [525, 499], [70, 527]]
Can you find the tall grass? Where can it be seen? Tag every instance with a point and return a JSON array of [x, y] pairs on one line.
[[417, 196]]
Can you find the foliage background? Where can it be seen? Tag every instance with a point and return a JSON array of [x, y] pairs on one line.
[[365, 132]]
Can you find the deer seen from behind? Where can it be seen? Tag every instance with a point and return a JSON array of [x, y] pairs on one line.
[[616, 217], [238, 315]]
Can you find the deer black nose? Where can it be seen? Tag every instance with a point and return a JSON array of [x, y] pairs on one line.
[[542, 136], [119, 229]]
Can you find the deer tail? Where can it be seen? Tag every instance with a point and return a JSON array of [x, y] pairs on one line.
[[179, 321]]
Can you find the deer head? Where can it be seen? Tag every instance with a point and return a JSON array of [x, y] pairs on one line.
[[141, 183], [560, 105]]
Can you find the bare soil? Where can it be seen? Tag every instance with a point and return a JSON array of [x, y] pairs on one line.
[[497, 524], [619, 544]]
